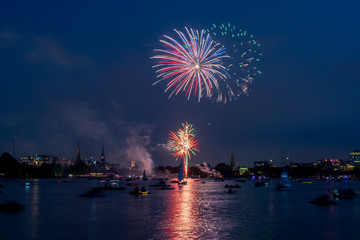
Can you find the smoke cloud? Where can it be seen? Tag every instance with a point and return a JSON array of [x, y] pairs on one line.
[[138, 146], [204, 167], [123, 142]]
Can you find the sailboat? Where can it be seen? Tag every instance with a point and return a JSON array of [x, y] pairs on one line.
[[181, 175], [284, 184], [144, 176]]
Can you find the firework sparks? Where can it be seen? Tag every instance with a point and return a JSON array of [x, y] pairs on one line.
[[183, 144], [242, 65], [193, 64]]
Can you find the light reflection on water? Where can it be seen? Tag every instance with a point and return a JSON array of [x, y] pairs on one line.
[[188, 216], [34, 210], [195, 211], [181, 220]]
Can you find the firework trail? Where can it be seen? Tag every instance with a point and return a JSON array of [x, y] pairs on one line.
[[242, 65], [193, 64], [183, 144]]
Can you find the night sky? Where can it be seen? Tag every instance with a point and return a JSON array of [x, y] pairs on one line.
[[72, 70]]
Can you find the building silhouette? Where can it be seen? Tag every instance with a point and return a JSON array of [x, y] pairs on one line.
[[38, 160], [102, 157], [232, 161], [354, 158]]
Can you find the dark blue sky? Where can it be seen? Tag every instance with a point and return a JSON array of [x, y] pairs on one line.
[[72, 70]]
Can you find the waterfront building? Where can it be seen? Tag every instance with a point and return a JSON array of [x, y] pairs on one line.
[[38, 160], [90, 161], [261, 164], [346, 166], [354, 158], [328, 164], [66, 162], [243, 170], [302, 165]]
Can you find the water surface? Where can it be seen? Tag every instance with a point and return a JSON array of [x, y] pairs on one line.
[[54, 210]]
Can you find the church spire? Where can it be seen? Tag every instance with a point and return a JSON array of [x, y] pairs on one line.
[[78, 152]]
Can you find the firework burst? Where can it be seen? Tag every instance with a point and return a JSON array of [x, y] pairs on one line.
[[183, 144], [193, 64], [243, 62]]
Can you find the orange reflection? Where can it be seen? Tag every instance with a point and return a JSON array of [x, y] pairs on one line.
[[182, 221]]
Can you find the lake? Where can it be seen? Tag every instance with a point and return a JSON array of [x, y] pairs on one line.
[[54, 210]]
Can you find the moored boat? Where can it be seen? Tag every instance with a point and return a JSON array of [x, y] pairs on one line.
[[259, 184], [161, 183], [138, 192], [230, 190], [181, 181], [232, 186], [11, 206], [284, 184], [323, 200], [94, 192]]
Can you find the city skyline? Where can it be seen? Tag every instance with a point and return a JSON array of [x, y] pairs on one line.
[[352, 158], [68, 76]]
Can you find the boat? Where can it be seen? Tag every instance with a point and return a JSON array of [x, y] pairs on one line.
[[302, 181], [94, 192], [323, 200], [259, 184], [240, 180], [11, 206], [232, 186], [138, 192], [284, 184], [144, 177], [230, 190], [113, 186], [161, 183], [346, 193], [166, 188], [283, 187], [131, 184], [181, 181]]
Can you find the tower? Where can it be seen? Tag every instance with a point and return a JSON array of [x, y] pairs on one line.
[[78, 158], [102, 157], [232, 161]]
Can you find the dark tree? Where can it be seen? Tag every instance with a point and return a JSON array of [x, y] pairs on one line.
[[9, 166]]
